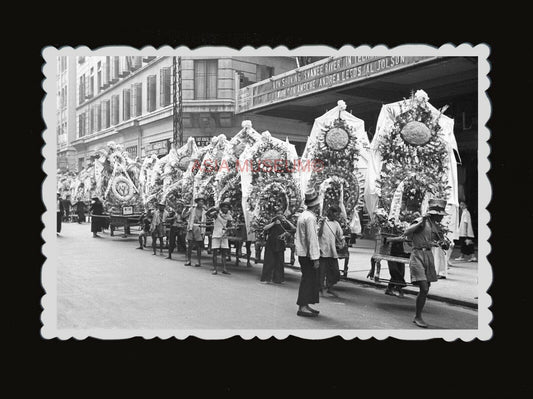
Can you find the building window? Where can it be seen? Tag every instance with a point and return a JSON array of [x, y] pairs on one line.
[[81, 125], [136, 99], [98, 113], [80, 163], [116, 67], [91, 84], [106, 116], [115, 109], [126, 104], [164, 87], [150, 93], [99, 77], [91, 120], [81, 89], [205, 79]]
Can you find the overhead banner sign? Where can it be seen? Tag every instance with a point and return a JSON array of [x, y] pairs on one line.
[[321, 75]]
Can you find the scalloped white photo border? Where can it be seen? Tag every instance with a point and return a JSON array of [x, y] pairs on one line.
[[49, 328]]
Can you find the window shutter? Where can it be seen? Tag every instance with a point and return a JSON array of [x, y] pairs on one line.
[[116, 66], [127, 104], [165, 86], [132, 101], [161, 84], [99, 116], [112, 112], [86, 80], [138, 99], [116, 103], [151, 92]]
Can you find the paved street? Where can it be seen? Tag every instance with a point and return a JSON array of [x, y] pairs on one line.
[[107, 283]]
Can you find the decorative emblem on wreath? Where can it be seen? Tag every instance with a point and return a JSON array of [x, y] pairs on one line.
[[271, 155], [337, 138], [122, 189], [416, 133]]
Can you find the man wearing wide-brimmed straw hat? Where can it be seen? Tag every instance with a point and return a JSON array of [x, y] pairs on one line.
[[425, 233], [220, 243], [308, 252], [195, 215]]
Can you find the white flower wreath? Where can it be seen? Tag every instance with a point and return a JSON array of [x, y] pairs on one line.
[[122, 189]]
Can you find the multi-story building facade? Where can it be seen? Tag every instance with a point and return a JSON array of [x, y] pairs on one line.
[[128, 100], [66, 112]]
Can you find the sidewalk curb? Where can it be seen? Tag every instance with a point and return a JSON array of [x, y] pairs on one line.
[[406, 290], [411, 291]]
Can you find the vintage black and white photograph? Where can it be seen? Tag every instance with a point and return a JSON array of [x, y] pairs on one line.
[[313, 192]]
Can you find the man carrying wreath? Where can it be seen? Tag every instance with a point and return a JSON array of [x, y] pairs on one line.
[[425, 233], [220, 243]]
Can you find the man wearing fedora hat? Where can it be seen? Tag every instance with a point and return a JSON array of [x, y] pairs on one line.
[[222, 216], [425, 233], [195, 216], [308, 252], [157, 228]]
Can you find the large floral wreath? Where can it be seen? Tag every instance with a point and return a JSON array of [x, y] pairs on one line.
[[337, 147], [229, 188], [267, 198], [413, 152]]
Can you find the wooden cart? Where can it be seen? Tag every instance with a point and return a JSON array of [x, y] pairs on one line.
[[123, 222], [382, 251]]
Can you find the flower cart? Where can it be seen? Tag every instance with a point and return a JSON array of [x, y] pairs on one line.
[[228, 187], [412, 159], [270, 182], [122, 196], [335, 160], [206, 170]]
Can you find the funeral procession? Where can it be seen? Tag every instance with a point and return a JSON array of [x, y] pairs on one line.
[[265, 193]]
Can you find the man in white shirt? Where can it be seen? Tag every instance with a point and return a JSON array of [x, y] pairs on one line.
[[466, 234], [308, 252]]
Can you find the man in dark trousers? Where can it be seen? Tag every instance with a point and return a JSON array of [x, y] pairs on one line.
[[96, 211], [66, 207], [308, 252], [60, 212], [396, 269], [79, 206]]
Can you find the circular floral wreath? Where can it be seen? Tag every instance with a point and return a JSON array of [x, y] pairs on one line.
[[337, 142], [231, 190], [122, 189], [352, 189], [337, 138], [272, 152], [273, 196]]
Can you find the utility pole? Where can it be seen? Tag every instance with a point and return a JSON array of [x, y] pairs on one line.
[[177, 104], [180, 104]]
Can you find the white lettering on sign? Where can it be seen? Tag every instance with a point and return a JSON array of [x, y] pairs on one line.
[[319, 76]]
